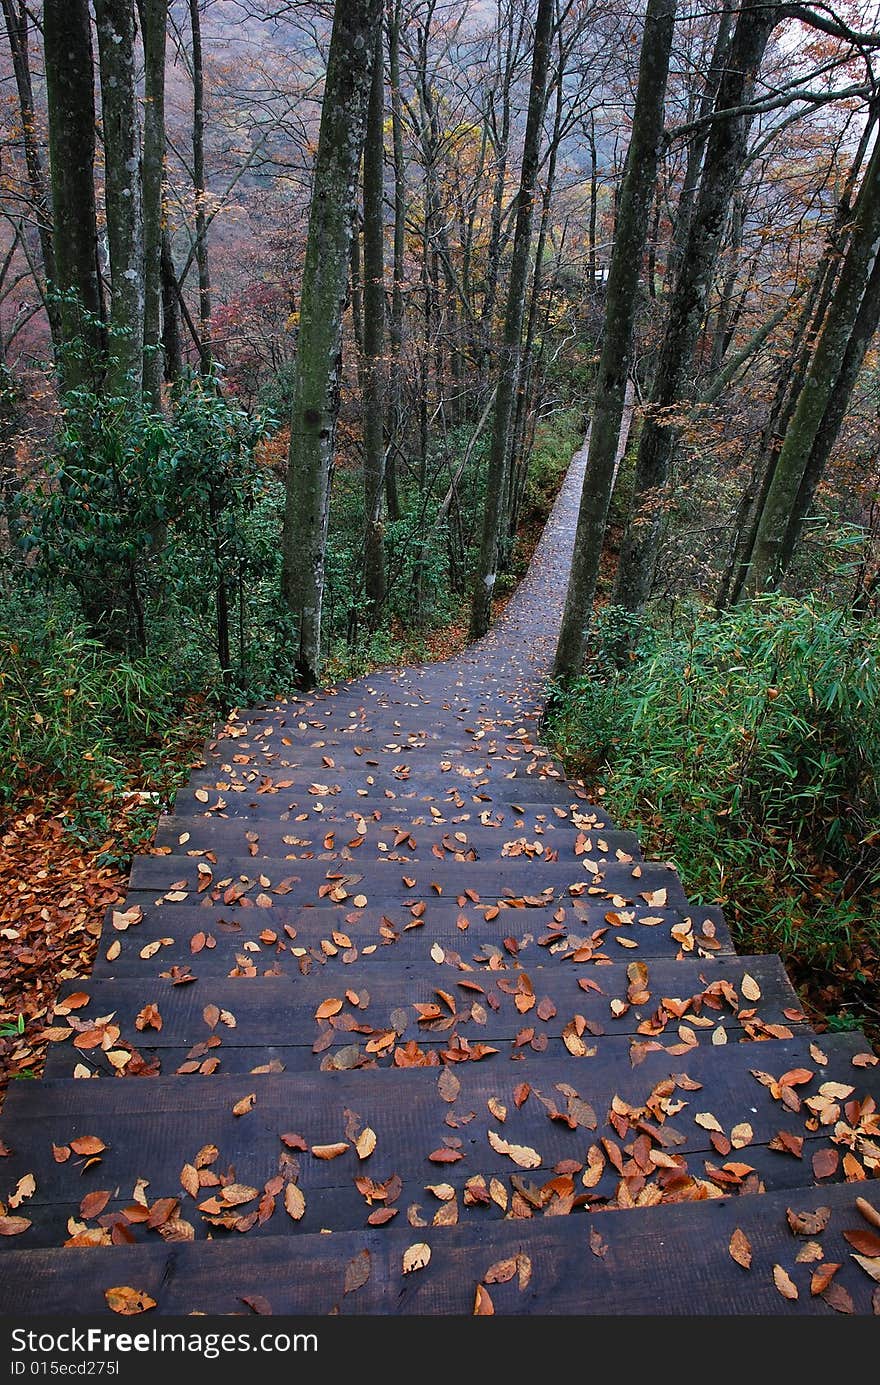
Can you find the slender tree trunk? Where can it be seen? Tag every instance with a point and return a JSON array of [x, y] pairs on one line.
[[697, 146], [203, 262], [153, 17], [725, 154], [122, 190], [17, 31], [840, 339], [493, 517], [835, 411], [594, 205], [70, 97], [172, 346], [322, 303], [374, 338], [397, 303], [620, 309]]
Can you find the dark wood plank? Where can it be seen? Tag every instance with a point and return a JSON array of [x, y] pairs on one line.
[[218, 942], [706, 1004], [662, 1260]]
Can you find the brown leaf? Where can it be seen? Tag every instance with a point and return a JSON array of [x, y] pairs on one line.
[[246, 1104], [740, 1248], [501, 1272], [128, 1301], [784, 1283], [87, 1144], [598, 1247], [258, 1304], [93, 1204], [357, 1271], [294, 1201], [329, 1151], [838, 1298], [444, 1155], [448, 1085], [483, 1305], [294, 1142], [808, 1223], [825, 1162], [865, 1242], [13, 1226], [822, 1277]]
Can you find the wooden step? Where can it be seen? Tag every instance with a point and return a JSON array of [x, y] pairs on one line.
[[247, 940], [706, 1003], [182, 879], [153, 1127], [667, 1260], [238, 837]]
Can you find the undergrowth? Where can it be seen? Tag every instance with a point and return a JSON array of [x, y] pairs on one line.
[[746, 749]]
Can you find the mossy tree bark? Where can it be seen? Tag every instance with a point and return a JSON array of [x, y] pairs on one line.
[[122, 192], [620, 308], [322, 303], [70, 97], [839, 339], [509, 356]]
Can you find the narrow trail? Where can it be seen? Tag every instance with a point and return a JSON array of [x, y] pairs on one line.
[[388, 975]]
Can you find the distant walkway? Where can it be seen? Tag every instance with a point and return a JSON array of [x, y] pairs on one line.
[[387, 974]]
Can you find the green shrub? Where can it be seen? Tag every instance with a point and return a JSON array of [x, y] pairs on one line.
[[748, 749]]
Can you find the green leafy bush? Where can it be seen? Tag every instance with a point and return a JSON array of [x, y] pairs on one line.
[[747, 748]]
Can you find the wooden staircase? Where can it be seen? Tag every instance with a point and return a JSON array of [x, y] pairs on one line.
[[395, 1020]]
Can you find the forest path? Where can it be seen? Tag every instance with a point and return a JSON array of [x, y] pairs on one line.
[[387, 974]]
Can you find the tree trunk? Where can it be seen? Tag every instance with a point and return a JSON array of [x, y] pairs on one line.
[[198, 138], [725, 154], [620, 309], [322, 302], [374, 338], [697, 145], [122, 192], [397, 310], [172, 346], [481, 609], [17, 30], [153, 17], [70, 95], [835, 410], [839, 339]]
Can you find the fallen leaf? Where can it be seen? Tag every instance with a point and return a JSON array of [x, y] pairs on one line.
[[128, 1301], [416, 1257], [784, 1283], [740, 1249], [246, 1104], [483, 1305], [365, 1143], [448, 1085], [329, 1151], [501, 1272], [357, 1271], [294, 1202], [13, 1226], [522, 1155]]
